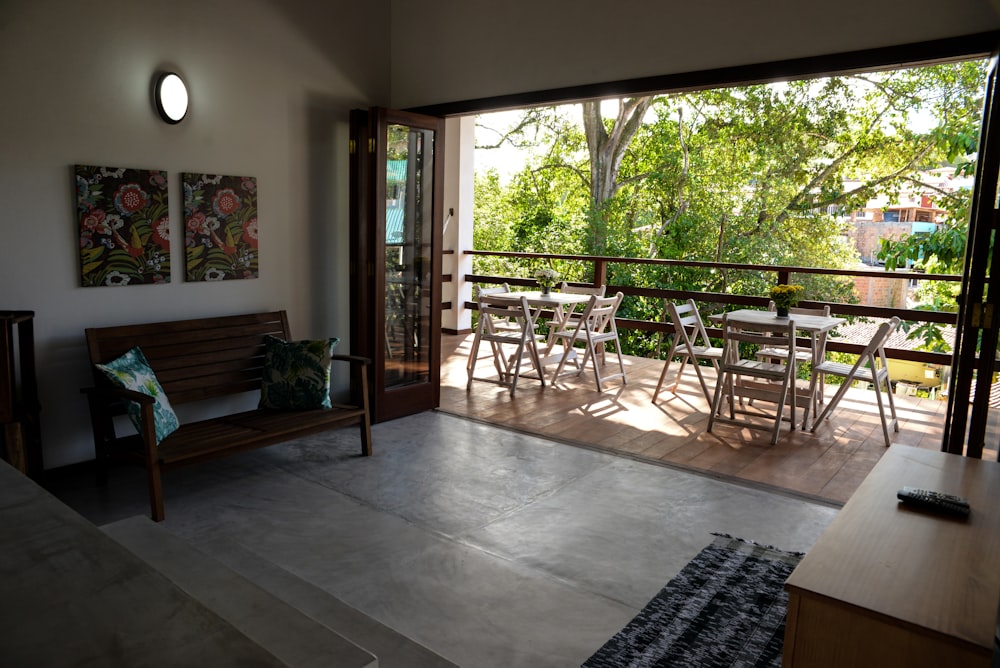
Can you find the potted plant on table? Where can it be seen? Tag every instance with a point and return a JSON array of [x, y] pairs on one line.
[[546, 278], [785, 296]]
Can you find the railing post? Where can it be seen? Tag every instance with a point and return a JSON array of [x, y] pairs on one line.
[[782, 274], [600, 272]]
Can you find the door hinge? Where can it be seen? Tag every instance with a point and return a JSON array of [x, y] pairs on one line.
[[982, 316], [371, 144], [352, 146]]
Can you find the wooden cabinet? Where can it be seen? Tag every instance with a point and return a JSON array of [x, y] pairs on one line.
[[19, 407], [889, 586]]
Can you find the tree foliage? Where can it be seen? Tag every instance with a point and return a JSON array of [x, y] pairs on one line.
[[748, 174]]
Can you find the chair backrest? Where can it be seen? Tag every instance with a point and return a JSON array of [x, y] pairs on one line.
[[490, 321], [688, 324], [777, 333], [597, 321], [568, 312], [493, 311], [600, 313], [503, 288], [798, 310], [874, 353], [582, 289]]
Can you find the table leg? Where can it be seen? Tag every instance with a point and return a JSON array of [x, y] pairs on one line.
[[818, 355]]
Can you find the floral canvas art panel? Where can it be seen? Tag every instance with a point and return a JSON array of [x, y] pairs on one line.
[[220, 227], [124, 225]]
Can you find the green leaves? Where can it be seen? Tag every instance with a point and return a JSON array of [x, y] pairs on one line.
[[757, 174]]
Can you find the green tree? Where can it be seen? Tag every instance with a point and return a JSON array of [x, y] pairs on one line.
[[607, 143], [749, 174], [955, 96]]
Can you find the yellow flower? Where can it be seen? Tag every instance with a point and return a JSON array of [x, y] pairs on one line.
[[785, 296]]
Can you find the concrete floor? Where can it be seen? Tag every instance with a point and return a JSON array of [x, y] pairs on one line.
[[488, 546]]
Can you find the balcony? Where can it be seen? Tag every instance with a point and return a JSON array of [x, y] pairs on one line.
[[827, 465]]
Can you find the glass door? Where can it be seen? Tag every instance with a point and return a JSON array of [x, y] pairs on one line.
[[396, 239], [972, 425]]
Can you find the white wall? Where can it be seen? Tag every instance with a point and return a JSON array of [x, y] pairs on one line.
[[459, 193], [271, 84], [465, 49]]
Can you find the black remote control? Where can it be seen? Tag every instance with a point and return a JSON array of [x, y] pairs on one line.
[[934, 501]]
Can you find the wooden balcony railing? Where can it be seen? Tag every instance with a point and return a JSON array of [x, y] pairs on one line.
[[782, 274]]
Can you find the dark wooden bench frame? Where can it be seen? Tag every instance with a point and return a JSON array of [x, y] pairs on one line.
[[203, 359]]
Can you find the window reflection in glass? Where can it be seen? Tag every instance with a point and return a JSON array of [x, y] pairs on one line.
[[408, 218]]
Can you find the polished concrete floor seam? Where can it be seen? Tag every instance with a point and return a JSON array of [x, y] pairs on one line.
[[491, 547], [464, 539], [733, 480]]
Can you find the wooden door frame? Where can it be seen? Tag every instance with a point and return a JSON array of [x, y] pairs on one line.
[[976, 335], [368, 192]]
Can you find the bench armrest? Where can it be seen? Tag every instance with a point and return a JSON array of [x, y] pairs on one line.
[[359, 391], [356, 359], [101, 400]]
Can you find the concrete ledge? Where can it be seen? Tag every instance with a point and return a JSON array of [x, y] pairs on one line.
[[286, 632], [393, 649], [71, 596]]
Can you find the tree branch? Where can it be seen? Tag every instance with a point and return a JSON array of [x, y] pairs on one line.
[[681, 182]]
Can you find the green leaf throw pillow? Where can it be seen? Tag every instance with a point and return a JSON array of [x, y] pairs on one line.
[[296, 373], [131, 371]]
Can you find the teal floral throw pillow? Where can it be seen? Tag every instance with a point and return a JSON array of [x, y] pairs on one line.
[[296, 373], [131, 371]]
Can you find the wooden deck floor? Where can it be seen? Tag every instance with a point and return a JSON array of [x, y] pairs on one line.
[[827, 465]]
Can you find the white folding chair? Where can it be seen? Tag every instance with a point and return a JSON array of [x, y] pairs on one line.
[[688, 330], [503, 322], [567, 315], [802, 353], [871, 367], [498, 324], [595, 328], [737, 375], [582, 289]]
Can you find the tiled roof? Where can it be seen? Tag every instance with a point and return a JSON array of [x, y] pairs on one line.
[[394, 226], [395, 170], [861, 332]]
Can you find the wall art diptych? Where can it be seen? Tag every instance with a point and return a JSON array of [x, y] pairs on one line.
[[220, 227], [124, 225]]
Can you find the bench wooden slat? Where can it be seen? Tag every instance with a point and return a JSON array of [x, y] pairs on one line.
[[196, 359], [239, 369], [245, 357], [205, 358], [257, 429], [169, 339]]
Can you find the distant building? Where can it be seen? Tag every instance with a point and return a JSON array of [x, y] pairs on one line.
[[912, 212], [878, 290]]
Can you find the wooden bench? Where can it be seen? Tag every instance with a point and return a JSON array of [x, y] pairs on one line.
[[201, 359]]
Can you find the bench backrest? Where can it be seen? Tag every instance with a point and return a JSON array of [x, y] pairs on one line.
[[195, 359]]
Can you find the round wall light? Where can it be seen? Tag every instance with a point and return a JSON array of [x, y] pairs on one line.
[[171, 97]]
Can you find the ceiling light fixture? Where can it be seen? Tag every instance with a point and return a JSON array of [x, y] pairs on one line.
[[171, 97]]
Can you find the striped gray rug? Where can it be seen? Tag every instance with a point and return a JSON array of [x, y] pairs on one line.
[[725, 608]]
